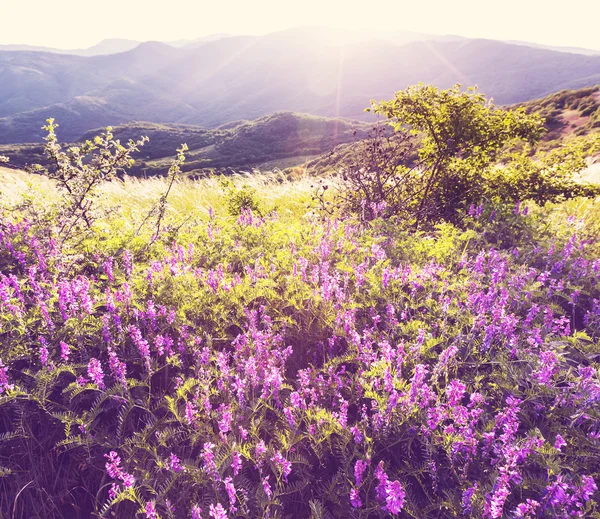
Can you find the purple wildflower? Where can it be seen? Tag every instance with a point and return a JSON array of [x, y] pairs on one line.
[[4, 385], [128, 263], [355, 498], [117, 368], [112, 466], [517, 209], [108, 269], [358, 437], [556, 492], [359, 468], [95, 372], [114, 470], [455, 392], [174, 464], [217, 512], [225, 422], [64, 351], [282, 464], [383, 480], [267, 487], [236, 464], [467, 499], [587, 488], [559, 442], [287, 411], [113, 491], [190, 413], [209, 458], [43, 351], [548, 367], [150, 510], [394, 497], [527, 509], [260, 449], [141, 343], [230, 489]]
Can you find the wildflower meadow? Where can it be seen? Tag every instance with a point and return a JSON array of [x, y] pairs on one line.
[[172, 348]]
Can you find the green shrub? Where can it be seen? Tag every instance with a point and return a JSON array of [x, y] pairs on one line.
[[459, 138], [239, 199]]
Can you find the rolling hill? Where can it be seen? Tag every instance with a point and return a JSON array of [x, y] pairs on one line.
[[281, 139], [308, 70]]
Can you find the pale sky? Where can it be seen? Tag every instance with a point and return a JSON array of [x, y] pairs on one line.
[[82, 23]]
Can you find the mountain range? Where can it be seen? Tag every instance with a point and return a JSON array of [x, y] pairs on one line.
[[229, 78], [111, 46], [398, 37]]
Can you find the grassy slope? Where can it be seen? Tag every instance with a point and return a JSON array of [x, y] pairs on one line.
[[568, 113]]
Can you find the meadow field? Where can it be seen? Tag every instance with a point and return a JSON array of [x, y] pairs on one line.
[[272, 362]]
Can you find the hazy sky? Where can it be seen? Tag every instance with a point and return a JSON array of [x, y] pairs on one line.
[[82, 23]]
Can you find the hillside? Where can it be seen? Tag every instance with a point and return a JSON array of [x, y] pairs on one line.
[[568, 112], [281, 139], [306, 70]]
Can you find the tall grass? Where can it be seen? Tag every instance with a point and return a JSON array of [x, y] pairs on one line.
[[134, 197]]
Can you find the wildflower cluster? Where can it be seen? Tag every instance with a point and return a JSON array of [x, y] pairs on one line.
[[256, 369]]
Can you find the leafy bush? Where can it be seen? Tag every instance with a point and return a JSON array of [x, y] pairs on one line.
[[240, 199], [79, 171], [460, 139]]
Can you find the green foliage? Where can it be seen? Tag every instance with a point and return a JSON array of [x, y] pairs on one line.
[[67, 426], [545, 177], [461, 140], [80, 170], [240, 199], [330, 341], [160, 208]]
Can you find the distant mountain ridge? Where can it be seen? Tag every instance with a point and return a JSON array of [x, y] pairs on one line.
[[117, 45], [308, 70], [111, 46], [569, 50]]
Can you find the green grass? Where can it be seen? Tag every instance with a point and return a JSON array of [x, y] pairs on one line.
[[134, 197]]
